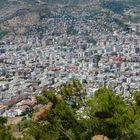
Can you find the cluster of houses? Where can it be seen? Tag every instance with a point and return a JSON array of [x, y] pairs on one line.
[[75, 45]]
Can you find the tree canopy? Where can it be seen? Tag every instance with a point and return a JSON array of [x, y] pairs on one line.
[[69, 114]]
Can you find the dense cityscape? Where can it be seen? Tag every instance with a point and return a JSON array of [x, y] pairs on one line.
[[75, 44], [69, 69]]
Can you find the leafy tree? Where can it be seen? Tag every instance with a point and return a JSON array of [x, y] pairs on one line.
[[137, 97], [3, 120], [5, 131], [112, 116], [73, 116]]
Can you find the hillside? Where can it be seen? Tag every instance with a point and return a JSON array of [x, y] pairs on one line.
[[18, 17]]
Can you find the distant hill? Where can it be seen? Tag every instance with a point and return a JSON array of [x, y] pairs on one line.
[[3, 3], [61, 1], [18, 16], [49, 2]]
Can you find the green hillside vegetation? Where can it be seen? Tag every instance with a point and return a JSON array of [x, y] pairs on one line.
[[6, 3], [61, 1], [5, 131], [3, 3], [115, 6], [31, 2], [2, 34], [120, 5], [131, 2], [73, 116]]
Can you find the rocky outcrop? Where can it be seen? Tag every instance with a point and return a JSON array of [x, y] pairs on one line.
[[43, 112], [99, 137]]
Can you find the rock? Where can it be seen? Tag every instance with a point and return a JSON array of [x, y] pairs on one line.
[[43, 112], [99, 137]]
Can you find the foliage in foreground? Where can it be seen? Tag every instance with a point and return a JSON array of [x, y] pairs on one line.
[[73, 116]]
